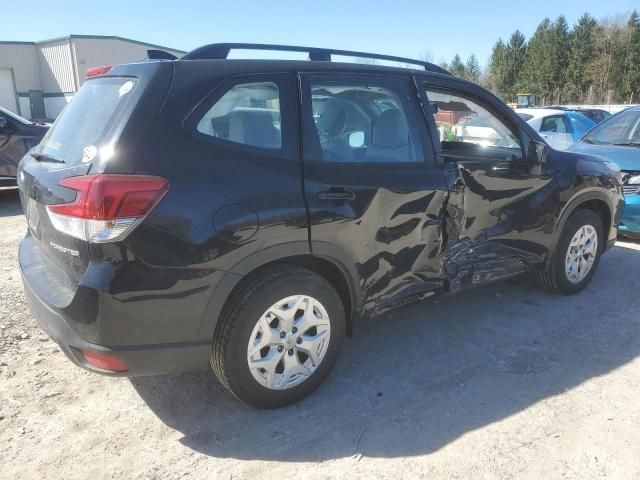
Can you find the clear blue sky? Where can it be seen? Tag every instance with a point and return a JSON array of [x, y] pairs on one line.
[[397, 27]]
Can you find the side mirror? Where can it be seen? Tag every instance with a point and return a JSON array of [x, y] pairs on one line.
[[3, 123], [535, 152], [356, 139]]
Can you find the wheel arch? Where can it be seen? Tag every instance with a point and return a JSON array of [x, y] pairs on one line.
[[598, 201], [326, 262]]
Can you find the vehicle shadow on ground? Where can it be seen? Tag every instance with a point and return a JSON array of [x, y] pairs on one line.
[[413, 381], [9, 202]]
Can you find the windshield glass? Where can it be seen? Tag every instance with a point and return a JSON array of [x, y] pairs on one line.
[[79, 132], [15, 117], [622, 128]]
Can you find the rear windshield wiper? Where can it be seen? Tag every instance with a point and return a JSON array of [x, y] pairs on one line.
[[41, 157]]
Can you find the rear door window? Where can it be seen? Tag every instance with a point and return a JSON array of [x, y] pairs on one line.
[[100, 108]]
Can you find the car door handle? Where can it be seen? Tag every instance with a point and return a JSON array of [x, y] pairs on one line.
[[341, 194], [514, 164]]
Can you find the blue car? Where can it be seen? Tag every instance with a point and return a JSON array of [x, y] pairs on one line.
[[618, 140], [560, 128]]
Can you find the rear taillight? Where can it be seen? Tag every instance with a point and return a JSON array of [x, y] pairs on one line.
[[106, 207]]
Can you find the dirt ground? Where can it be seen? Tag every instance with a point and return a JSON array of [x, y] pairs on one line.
[[501, 382]]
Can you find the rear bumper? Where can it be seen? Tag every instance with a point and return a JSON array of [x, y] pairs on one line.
[[141, 360], [630, 221], [91, 317]]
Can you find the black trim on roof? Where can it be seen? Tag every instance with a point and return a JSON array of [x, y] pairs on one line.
[[221, 51], [154, 54]]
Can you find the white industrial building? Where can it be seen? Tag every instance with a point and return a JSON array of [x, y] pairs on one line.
[[37, 79]]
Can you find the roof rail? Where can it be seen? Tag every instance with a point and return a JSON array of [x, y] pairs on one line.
[[221, 51]]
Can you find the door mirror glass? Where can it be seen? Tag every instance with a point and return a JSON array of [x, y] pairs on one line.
[[535, 152], [3, 123], [356, 139]]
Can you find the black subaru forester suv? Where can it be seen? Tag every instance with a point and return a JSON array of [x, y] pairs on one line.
[[246, 213]]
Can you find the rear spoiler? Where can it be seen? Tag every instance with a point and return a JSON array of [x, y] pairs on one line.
[[151, 55], [160, 55]]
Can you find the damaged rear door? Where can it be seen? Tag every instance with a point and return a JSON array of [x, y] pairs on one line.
[[374, 192]]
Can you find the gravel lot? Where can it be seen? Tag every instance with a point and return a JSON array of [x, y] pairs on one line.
[[502, 382]]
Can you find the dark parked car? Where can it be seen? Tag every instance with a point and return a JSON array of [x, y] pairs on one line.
[[247, 213], [595, 114], [17, 136]]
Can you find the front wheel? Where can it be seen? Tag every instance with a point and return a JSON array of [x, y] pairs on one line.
[[577, 255], [279, 337]]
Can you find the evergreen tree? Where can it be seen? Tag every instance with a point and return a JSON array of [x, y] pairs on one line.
[[558, 50], [505, 65], [596, 61], [515, 55], [497, 69], [473, 69], [457, 68], [581, 49], [538, 71]]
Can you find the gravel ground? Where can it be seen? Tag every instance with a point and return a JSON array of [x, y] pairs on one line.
[[504, 381]]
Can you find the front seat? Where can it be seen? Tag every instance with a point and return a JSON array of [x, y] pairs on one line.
[[331, 129], [253, 127], [390, 139]]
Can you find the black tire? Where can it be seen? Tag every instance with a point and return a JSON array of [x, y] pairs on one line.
[[554, 278], [244, 309]]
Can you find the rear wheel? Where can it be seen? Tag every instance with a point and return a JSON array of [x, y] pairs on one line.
[[577, 255], [279, 337]]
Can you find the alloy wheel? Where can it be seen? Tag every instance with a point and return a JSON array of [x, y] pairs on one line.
[[288, 342], [581, 254]]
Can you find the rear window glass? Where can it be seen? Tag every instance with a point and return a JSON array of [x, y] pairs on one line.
[[248, 113], [581, 124], [79, 132]]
